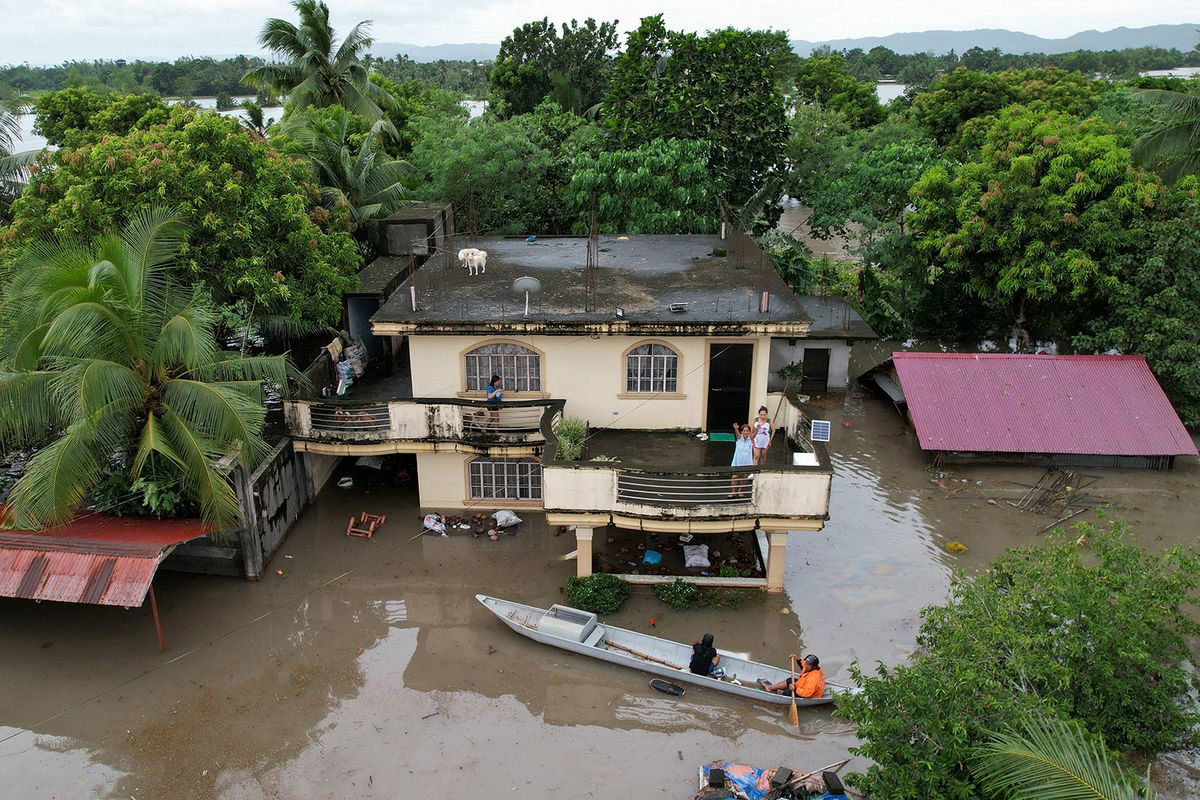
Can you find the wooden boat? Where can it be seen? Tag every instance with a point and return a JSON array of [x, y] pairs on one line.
[[580, 632]]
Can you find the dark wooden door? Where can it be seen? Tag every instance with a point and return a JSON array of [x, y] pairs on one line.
[[816, 370], [730, 367]]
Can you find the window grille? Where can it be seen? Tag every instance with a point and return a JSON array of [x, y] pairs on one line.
[[651, 368], [519, 368], [505, 479]]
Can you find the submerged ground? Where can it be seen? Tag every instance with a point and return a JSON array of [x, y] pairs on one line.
[[367, 669]]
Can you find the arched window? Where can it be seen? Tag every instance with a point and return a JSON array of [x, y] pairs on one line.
[[519, 368], [505, 479], [652, 368]]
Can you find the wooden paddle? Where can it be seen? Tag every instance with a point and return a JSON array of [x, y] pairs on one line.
[[631, 651], [793, 715]]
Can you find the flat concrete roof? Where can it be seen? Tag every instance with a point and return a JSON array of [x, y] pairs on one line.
[[643, 275], [834, 318]]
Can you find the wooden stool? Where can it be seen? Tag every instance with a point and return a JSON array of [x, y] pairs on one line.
[[366, 525]]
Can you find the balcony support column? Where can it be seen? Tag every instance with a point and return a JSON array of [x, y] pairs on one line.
[[776, 560], [583, 555]]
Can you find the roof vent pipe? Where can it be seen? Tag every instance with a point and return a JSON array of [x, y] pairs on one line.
[[412, 293], [764, 303]]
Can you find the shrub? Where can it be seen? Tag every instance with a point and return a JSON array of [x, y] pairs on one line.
[[730, 571], [600, 593], [678, 594], [570, 432]]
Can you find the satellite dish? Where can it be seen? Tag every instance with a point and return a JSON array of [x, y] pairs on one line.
[[528, 285]]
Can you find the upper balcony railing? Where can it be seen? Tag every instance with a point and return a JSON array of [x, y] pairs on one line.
[[441, 419], [794, 484]]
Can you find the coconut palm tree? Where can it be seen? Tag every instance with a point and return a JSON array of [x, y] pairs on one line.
[[355, 172], [1052, 759], [106, 362], [1173, 149], [317, 70], [14, 166]]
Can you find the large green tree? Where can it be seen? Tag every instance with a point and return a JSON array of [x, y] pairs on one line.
[[107, 360], [1034, 225], [74, 117], [536, 62], [1172, 147], [1154, 310], [826, 81], [258, 231], [316, 69], [723, 88], [661, 187], [1086, 627]]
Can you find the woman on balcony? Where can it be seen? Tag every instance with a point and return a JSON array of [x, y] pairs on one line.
[[764, 433], [495, 393], [743, 456]]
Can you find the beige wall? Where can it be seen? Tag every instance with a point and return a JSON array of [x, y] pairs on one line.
[[590, 374], [442, 483]]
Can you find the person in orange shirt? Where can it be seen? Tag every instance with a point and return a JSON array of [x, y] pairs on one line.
[[810, 683]]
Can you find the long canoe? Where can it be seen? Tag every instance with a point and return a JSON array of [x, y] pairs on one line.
[[580, 632]]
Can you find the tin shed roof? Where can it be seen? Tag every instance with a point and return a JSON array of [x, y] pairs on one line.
[[1015, 403], [95, 558]]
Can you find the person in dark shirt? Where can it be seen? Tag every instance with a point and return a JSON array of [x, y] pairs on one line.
[[705, 658]]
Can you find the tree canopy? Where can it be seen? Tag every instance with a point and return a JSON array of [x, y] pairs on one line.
[[537, 62], [257, 229], [723, 88], [1086, 627], [826, 81]]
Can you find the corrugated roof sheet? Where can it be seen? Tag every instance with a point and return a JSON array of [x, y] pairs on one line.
[[1013, 403], [93, 559]]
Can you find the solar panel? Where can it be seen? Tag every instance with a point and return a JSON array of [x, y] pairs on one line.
[[820, 430]]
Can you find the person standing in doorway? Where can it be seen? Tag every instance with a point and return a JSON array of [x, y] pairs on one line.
[[495, 393], [764, 433]]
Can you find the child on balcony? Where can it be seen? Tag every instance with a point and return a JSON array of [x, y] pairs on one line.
[[743, 456]]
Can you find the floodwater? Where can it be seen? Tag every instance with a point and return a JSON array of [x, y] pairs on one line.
[[367, 669]]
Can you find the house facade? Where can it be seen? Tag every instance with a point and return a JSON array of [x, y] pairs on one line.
[[653, 345]]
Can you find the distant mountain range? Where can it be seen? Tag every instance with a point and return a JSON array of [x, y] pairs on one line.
[[1180, 37]]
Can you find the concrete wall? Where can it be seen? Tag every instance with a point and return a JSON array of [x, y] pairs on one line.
[[441, 479], [590, 375], [783, 353]]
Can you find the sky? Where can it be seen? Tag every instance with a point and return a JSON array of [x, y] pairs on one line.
[[51, 31]]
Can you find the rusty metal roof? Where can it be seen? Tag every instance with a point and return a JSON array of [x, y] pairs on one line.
[[93, 559], [1016, 403]]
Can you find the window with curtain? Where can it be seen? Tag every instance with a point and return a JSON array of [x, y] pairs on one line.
[[651, 368], [505, 479], [518, 367]]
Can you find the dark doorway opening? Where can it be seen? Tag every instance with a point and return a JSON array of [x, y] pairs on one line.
[[730, 367], [816, 370]]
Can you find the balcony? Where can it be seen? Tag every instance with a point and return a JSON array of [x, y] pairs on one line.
[[380, 415], [672, 480]]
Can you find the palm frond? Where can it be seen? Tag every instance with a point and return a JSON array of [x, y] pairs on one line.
[[186, 339], [89, 328], [90, 386], [59, 477], [26, 411], [354, 44], [151, 240], [203, 479], [219, 412], [282, 37], [275, 370], [1051, 759], [153, 442]]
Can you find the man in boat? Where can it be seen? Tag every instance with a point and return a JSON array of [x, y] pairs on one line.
[[810, 683], [705, 658]]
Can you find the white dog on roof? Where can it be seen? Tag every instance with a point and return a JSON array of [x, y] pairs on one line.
[[474, 260]]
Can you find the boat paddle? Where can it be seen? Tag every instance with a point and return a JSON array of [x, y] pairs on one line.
[[793, 715]]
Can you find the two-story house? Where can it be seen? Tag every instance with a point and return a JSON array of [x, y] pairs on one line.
[[658, 343]]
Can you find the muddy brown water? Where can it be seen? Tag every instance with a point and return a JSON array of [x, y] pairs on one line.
[[367, 669]]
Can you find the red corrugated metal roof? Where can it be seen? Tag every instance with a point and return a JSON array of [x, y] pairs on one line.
[[93, 559], [1012, 403]]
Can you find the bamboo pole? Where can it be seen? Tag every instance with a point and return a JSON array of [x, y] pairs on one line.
[[631, 651]]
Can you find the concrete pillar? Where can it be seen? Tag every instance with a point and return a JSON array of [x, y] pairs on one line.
[[583, 556], [776, 559]]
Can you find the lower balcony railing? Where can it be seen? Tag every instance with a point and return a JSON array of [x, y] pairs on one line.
[[662, 489]]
